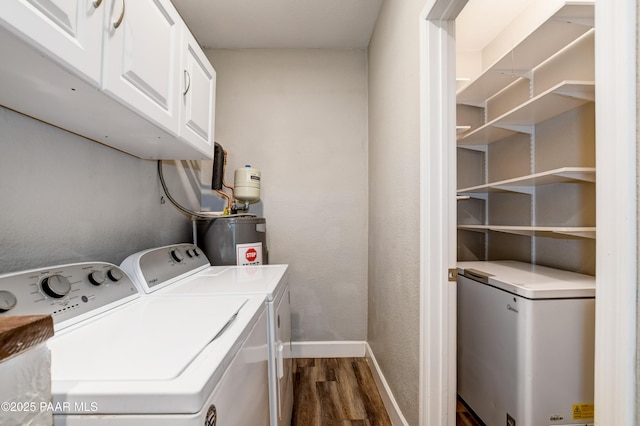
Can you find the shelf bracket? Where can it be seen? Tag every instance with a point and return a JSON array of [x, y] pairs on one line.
[[464, 196], [586, 95], [513, 188], [515, 73], [578, 234], [515, 128], [587, 22], [578, 176], [526, 233], [475, 147], [462, 129]]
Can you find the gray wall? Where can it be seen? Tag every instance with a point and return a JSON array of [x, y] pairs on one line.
[[300, 116], [394, 241], [637, 372], [68, 199]]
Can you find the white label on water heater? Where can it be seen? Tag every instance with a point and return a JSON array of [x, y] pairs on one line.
[[249, 254]]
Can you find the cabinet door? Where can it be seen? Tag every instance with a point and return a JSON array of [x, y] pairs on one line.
[[141, 59], [197, 103], [68, 31]]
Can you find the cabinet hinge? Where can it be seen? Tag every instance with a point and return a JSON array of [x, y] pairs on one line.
[[453, 274]]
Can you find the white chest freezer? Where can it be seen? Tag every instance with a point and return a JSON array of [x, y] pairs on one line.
[[526, 344]]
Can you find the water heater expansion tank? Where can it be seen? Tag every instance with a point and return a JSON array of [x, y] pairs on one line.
[[246, 184]]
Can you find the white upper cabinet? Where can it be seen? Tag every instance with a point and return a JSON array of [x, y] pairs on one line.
[[141, 58], [197, 100], [68, 31], [125, 73]]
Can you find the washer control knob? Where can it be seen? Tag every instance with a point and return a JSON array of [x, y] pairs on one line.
[[7, 301], [56, 286], [114, 274], [96, 278], [176, 255]]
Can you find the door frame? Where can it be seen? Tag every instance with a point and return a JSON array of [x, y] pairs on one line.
[[616, 210], [437, 380]]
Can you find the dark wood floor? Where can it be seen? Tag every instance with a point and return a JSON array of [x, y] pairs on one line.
[[336, 391], [341, 391], [466, 418]]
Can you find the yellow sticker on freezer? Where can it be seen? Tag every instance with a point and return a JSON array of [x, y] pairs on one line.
[[582, 411]]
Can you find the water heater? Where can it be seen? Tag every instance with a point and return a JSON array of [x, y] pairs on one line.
[[233, 240]]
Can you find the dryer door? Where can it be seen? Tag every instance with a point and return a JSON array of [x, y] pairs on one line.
[[283, 358], [242, 395]]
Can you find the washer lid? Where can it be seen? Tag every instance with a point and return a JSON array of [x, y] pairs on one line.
[[530, 281], [152, 389], [263, 279], [152, 339]]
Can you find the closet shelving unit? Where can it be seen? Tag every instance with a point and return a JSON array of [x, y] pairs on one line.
[[529, 86], [564, 97]]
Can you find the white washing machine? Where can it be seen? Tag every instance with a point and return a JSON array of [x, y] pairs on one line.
[[183, 269], [526, 338], [120, 359]]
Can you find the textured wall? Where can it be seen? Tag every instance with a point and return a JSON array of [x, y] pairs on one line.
[[68, 199], [637, 372], [394, 241], [300, 116]]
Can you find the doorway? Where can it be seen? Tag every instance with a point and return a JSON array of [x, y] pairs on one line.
[[616, 210]]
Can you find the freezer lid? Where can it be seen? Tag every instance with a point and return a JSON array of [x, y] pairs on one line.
[[151, 340], [233, 280], [530, 281]]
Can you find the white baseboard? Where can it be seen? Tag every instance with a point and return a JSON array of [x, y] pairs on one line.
[[329, 349], [397, 419]]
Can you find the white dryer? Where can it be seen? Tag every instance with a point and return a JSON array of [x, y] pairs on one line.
[[119, 359], [184, 270]]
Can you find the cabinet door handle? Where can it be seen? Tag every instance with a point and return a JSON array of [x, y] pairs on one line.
[[187, 82], [119, 21], [97, 3]]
